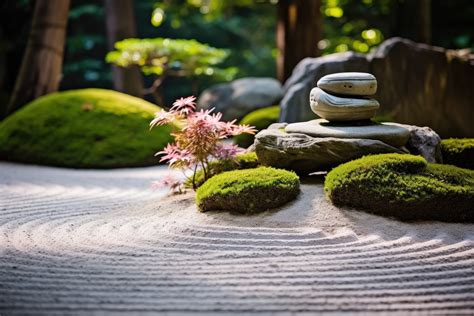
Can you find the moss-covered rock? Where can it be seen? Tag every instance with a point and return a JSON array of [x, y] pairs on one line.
[[90, 128], [241, 161], [458, 152], [261, 119], [248, 191], [404, 186]]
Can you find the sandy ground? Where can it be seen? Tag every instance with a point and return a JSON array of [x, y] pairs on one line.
[[101, 242]]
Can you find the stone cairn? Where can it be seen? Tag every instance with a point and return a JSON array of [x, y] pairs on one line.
[[343, 102], [345, 97], [343, 133]]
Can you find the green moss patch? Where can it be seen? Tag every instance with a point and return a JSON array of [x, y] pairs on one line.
[[248, 191], [90, 128], [261, 119], [403, 186], [458, 152], [241, 161]]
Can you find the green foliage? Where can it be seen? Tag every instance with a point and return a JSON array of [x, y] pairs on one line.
[[241, 161], [246, 27], [248, 191], [354, 25], [89, 128], [458, 152], [86, 45], [403, 186], [261, 119], [171, 57]]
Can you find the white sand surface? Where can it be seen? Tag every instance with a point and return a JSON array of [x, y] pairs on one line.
[[76, 242]]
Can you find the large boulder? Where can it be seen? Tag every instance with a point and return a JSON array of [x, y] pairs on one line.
[[417, 85], [305, 154], [240, 97]]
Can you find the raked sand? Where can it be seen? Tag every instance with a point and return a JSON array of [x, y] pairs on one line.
[[101, 242]]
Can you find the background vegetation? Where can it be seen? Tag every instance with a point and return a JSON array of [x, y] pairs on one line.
[[246, 28]]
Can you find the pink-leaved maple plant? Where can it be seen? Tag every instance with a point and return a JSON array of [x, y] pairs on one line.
[[198, 140]]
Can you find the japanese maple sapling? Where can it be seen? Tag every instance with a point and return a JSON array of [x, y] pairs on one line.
[[199, 141]]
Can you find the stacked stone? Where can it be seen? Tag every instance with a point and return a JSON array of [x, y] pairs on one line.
[[343, 133], [343, 102], [345, 97]]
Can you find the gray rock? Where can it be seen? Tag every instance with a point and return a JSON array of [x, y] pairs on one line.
[[306, 154], [417, 84], [277, 126], [390, 134], [239, 97], [335, 108], [423, 141], [349, 83]]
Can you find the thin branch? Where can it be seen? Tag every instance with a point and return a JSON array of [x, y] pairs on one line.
[[194, 177], [156, 84]]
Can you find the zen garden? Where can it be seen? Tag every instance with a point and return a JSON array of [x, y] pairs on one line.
[[236, 157]]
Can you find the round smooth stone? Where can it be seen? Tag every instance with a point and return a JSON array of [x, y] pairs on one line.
[[334, 108], [393, 135], [349, 83]]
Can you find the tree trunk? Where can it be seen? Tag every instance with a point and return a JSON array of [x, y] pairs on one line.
[[414, 20], [298, 33], [40, 71], [121, 25]]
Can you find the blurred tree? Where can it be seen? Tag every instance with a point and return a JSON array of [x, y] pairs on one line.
[[86, 46], [13, 39], [120, 21], [245, 27], [164, 57], [298, 33], [298, 27], [413, 20], [40, 71], [355, 25]]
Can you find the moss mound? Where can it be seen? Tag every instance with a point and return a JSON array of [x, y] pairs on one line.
[[403, 186], [458, 152], [248, 191], [90, 128], [261, 119], [241, 161]]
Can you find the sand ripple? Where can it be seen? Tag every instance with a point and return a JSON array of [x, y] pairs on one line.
[[82, 242]]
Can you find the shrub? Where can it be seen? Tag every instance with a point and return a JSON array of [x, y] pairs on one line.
[[403, 186], [199, 141], [241, 161], [248, 191], [458, 152], [261, 119], [90, 128]]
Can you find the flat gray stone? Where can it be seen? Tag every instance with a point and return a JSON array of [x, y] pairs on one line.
[[305, 154], [349, 83], [390, 134], [335, 108]]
